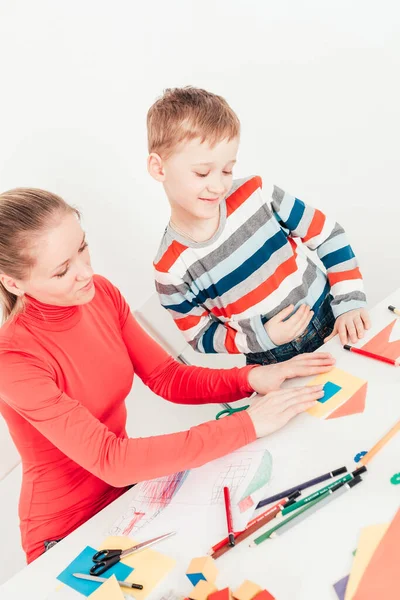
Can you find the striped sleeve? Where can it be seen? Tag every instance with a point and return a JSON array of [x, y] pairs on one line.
[[328, 238], [202, 330]]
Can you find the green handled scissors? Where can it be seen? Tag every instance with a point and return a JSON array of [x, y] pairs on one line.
[[229, 410]]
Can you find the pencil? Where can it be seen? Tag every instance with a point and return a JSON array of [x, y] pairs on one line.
[[302, 486], [284, 502], [228, 512], [390, 361], [394, 309], [379, 445], [296, 505], [307, 510]]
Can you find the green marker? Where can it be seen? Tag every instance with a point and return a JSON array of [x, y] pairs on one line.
[[321, 491]]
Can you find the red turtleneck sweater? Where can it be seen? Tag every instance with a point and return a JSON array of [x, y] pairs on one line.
[[64, 375]]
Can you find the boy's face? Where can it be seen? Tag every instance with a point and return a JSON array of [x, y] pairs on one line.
[[197, 177]]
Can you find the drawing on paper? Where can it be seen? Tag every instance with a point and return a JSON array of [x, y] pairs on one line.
[[261, 476], [152, 497], [344, 395], [231, 476], [386, 342]]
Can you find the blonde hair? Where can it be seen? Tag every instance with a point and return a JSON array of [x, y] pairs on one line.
[[25, 213], [183, 114]]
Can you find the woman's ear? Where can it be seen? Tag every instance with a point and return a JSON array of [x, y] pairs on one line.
[[11, 285], [155, 167]]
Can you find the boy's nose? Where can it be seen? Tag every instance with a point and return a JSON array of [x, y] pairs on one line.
[[216, 186]]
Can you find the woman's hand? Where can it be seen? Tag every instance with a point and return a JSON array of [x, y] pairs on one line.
[[270, 377], [351, 326], [271, 412]]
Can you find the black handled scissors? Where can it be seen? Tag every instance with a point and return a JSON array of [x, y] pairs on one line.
[[105, 559]]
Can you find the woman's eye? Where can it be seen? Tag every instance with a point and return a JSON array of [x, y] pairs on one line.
[[82, 248], [59, 275]]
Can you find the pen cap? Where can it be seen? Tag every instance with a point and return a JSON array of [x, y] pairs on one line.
[[337, 486], [359, 471], [392, 308], [354, 482], [347, 347], [294, 495], [339, 471]]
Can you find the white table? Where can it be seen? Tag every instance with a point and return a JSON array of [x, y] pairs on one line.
[[303, 563]]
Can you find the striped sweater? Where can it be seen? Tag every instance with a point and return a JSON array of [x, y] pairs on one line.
[[222, 291]]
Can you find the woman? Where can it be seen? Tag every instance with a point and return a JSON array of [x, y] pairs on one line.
[[69, 348]]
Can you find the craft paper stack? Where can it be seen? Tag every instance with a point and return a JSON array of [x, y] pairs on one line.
[[375, 572]]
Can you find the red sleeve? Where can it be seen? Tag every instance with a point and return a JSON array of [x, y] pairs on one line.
[[170, 379], [28, 387]]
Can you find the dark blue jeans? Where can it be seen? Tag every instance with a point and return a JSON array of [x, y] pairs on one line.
[[311, 339]]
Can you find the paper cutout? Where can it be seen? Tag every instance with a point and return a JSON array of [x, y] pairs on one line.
[[355, 404], [245, 504], [367, 544], [82, 564], [381, 578], [261, 476], [349, 386], [109, 590], [386, 342], [340, 587], [330, 389], [150, 566]]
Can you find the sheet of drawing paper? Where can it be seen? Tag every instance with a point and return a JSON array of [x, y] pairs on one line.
[[349, 386], [109, 590], [381, 578], [149, 566], [367, 544], [340, 587]]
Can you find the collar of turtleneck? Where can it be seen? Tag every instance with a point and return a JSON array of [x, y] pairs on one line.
[[48, 316]]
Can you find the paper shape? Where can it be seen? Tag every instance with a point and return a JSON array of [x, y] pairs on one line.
[[381, 578], [340, 587], [367, 544], [82, 564], [150, 566], [330, 389], [245, 504], [349, 386], [109, 590], [381, 343], [356, 404], [261, 476]]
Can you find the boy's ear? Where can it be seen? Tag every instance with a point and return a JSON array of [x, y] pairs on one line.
[[155, 166]]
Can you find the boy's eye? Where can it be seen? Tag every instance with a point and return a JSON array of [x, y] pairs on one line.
[[228, 173], [202, 174]]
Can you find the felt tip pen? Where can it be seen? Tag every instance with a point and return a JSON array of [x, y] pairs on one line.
[[97, 579], [395, 310], [390, 361], [228, 512]]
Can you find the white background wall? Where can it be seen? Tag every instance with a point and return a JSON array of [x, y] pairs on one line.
[[315, 83]]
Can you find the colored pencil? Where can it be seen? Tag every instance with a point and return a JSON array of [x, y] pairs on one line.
[[284, 502], [253, 526], [302, 486], [97, 579], [394, 309], [296, 505], [307, 510], [380, 444], [384, 359], [228, 512]]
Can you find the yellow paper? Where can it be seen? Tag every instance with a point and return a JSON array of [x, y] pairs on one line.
[[349, 384], [109, 590], [149, 566], [367, 544]]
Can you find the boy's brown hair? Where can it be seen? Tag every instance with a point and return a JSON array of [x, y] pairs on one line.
[[183, 114]]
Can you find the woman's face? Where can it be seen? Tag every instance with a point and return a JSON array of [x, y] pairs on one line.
[[62, 274]]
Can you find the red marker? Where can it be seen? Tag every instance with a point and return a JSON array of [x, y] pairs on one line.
[[228, 511], [390, 361]]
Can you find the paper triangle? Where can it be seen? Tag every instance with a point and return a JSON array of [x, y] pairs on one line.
[[380, 343], [353, 406]]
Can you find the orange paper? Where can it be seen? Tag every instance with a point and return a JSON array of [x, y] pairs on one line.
[[381, 345], [382, 576]]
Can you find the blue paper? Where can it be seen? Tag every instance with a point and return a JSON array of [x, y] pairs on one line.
[[82, 564], [330, 389], [340, 587]]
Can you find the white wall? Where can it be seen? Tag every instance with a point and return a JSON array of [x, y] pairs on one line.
[[315, 84]]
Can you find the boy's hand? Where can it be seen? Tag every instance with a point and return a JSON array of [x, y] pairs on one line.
[[351, 326], [282, 332], [270, 377]]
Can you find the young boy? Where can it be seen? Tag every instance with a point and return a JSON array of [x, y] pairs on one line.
[[228, 268]]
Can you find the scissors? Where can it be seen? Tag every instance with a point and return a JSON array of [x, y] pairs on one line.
[[229, 410], [105, 559]]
